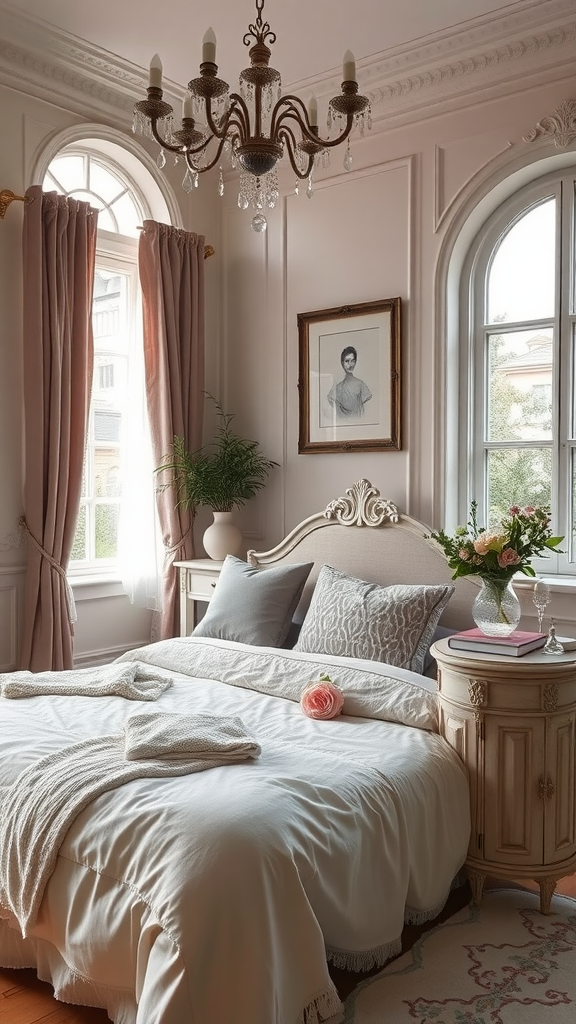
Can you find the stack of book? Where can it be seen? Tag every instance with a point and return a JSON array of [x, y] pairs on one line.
[[514, 645]]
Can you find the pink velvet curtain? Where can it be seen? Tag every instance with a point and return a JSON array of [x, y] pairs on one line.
[[171, 265], [59, 247]]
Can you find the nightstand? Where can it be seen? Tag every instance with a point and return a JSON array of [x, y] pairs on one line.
[[513, 723], [198, 577]]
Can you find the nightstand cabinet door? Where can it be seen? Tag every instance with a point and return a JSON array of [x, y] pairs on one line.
[[513, 766], [458, 726], [559, 788]]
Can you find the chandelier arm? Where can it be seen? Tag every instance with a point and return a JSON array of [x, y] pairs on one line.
[[293, 107], [329, 143], [161, 142], [237, 114], [287, 136], [205, 167]]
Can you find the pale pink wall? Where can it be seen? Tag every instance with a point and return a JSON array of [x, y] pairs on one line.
[[385, 229]]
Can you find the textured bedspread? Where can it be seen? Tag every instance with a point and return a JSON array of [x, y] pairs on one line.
[[215, 897]]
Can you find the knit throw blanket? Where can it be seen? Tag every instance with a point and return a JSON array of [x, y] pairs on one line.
[[41, 805], [135, 681]]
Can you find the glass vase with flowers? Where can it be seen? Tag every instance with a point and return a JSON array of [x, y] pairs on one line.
[[496, 555]]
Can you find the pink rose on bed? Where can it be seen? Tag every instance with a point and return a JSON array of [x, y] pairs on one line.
[[322, 699]]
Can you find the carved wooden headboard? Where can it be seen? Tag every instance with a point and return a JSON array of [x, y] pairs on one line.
[[366, 536]]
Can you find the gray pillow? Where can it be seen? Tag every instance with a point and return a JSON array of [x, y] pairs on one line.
[[351, 618], [430, 666], [251, 605]]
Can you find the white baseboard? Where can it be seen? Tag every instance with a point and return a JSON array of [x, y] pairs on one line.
[[105, 655]]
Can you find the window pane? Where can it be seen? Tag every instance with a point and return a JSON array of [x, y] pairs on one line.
[[522, 275], [572, 520], [104, 183], [127, 216], [572, 396], [107, 530], [518, 476], [79, 546], [520, 386], [68, 171], [106, 221], [109, 310], [87, 197]]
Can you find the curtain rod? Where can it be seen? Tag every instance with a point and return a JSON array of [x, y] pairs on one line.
[[7, 197]]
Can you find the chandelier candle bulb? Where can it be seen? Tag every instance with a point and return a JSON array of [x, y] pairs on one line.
[[209, 47], [349, 67], [187, 110], [313, 112], [155, 80]]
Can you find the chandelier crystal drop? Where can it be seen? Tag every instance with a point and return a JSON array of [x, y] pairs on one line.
[[255, 127]]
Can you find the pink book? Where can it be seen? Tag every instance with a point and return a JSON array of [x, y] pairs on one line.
[[516, 643]]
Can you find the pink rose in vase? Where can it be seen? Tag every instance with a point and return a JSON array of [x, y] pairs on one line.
[[322, 699]]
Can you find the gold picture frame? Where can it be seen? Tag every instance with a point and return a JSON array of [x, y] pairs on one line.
[[342, 410]]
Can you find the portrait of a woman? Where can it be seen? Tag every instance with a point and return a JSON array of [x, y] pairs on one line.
[[348, 398]]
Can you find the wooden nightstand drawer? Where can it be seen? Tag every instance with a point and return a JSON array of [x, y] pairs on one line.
[[200, 586], [198, 579]]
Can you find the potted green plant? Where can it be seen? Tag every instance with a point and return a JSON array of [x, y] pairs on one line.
[[222, 475]]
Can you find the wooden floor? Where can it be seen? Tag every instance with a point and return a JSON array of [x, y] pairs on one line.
[[25, 1000]]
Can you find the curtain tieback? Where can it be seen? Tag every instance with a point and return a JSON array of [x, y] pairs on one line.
[[70, 603], [168, 551]]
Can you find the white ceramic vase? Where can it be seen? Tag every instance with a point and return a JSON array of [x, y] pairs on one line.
[[222, 537]]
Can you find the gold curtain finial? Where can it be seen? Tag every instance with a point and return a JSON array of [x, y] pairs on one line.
[[7, 197]]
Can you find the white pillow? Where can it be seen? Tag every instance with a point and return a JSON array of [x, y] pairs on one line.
[[352, 618]]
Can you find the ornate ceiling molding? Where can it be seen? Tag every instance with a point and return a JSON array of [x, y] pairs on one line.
[[537, 38]]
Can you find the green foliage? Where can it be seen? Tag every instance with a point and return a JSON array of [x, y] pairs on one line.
[[222, 475]]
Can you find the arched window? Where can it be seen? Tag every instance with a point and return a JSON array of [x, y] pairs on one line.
[[518, 444], [97, 176]]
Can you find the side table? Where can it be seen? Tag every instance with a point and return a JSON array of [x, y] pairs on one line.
[[513, 723], [198, 577]]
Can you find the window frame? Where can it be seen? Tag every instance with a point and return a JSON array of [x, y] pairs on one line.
[[472, 378]]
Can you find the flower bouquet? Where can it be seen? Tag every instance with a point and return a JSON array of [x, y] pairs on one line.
[[496, 555]]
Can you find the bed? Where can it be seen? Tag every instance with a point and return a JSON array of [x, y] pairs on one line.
[[134, 878]]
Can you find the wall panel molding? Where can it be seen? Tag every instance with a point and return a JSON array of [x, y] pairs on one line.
[[447, 191], [11, 596]]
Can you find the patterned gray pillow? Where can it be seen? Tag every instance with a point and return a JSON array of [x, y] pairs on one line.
[[351, 618], [254, 606]]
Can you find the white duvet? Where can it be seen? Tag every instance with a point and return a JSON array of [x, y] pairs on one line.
[[215, 898]]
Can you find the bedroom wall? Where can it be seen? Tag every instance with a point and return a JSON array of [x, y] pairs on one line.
[[382, 230], [385, 229], [449, 120]]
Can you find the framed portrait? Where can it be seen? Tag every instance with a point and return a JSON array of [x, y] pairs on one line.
[[349, 378]]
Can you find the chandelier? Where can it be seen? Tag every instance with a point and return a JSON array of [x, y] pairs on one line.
[[254, 127]]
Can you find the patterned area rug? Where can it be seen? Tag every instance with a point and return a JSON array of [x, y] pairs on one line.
[[501, 963]]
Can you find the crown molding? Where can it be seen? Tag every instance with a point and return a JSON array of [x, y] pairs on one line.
[[535, 40]]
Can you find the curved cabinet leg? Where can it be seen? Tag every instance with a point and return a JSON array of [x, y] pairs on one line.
[[547, 887], [476, 884]]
